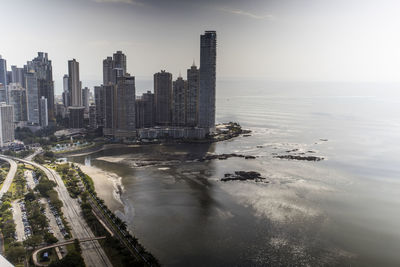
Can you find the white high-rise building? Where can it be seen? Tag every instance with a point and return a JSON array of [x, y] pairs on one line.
[[44, 115]]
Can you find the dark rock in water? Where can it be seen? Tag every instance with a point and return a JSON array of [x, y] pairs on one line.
[[293, 150], [259, 146], [324, 140], [246, 135], [310, 151], [295, 157], [227, 156], [242, 176]]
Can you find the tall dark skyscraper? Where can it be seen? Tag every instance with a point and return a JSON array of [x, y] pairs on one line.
[[163, 97], [108, 119], [108, 66], [119, 59], [42, 66], [99, 102], [145, 110], [85, 98], [208, 56], [179, 102], [192, 96], [74, 84], [76, 110], [124, 107]]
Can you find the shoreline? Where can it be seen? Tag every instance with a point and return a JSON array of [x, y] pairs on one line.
[[103, 181]]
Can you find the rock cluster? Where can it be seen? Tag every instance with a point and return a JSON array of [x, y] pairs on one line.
[[243, 176], [297, 157], [227, 156]]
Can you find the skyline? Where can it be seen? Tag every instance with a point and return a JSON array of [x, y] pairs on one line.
[[288, 40]]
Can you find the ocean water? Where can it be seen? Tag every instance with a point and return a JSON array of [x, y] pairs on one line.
[[342, 211]]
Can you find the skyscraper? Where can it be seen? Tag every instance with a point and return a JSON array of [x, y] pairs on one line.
[[108, 120], [18, 75], [32, 98], [74, 84], [179, 102], [76, 117], [92, 117], [208, 56], [44, 117], [145, 110], [42, 66], [3, 80], [76, 110], [66, 95], [119, 59], [85, 98], [163, 97], [108, 66], [6, 124], [99, 103], [124, 107], [3, 71], [18, 101], [192, 96]]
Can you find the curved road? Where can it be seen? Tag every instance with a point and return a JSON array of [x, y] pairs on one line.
[[34, 254], [10, 175], [92, 252]]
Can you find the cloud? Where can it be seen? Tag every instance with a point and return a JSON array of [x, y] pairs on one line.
[[241, 12], [128, 2]]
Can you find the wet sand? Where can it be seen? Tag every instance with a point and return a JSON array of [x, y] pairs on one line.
[[107, 185]]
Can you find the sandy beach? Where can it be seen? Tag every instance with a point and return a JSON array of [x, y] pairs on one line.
[[107, 185]]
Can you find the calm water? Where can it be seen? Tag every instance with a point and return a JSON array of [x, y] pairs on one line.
[[340, 211]]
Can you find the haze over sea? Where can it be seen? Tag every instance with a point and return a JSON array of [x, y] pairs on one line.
[[339, 211]]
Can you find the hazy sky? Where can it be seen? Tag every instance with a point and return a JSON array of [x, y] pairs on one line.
[[305, 40]]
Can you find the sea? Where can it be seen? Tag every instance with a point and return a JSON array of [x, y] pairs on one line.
[[340, 211]]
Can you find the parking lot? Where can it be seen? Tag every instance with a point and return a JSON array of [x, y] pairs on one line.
[[56, 225], [19, 226]]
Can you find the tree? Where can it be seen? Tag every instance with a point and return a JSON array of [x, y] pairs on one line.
[[50, 238], [73, 259], [15, 254], [33, 241], [77, 246]]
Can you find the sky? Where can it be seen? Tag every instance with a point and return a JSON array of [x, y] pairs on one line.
[[278, 40]]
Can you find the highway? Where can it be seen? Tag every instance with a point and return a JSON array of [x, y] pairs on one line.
[[10, 175], [92, 252]]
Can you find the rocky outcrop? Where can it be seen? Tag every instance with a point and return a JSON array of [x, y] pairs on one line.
[[297, 157], [243, 176], [227, 156]]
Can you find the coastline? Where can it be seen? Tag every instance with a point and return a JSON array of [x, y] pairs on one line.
[[103, 181]]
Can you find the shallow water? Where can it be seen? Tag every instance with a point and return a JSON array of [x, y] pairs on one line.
[[340, 211]]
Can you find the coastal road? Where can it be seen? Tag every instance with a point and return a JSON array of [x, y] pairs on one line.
[[92, 252], [10, 175]]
